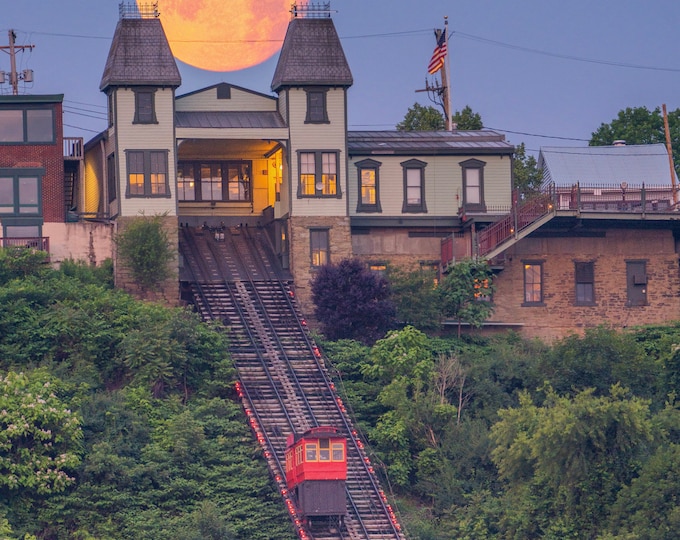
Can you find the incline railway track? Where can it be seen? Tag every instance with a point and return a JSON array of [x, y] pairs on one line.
[[234, 278]]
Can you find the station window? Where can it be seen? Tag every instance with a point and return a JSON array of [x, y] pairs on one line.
[[533, 283], [145, 110], [316, 106], [324, 449], [473, 185], [414, 186], [318, 173], [289, 462], [585, 283], [319, 247], [369, 186], [147, 173], [338, 452], [298, 455], [310, 452]]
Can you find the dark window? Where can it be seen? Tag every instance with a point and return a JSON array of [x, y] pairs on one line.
[[414, 186], [20, 192], [369, 185], [110, 108], [319, 247], [636, 282], [111, 177], [318, 174], [145, 110], [316, 107], [585, 283], [147, 172], [219, 181], [473, 185], [533, 283], [30, 125]]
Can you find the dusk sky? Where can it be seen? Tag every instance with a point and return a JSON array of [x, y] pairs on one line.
[[543, 72]]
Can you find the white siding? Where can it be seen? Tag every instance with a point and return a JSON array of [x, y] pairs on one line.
[[331, 137], [160, 136], [240, 100], [443, 183]]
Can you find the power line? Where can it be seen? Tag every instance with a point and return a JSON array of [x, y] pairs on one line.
[[563, 56]]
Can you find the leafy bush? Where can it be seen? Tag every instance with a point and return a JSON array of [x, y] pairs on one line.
[[144, 248], [351, 302]]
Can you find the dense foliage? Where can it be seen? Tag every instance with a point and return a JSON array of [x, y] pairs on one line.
[[144, 248], [351, 302], [117, 420], [117, 417], [503, 438]]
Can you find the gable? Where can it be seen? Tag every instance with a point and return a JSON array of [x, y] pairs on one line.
[[225, 97]]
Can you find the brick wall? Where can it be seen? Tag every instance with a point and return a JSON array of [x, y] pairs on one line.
[[168, 292], [559, 315], [48, 156]]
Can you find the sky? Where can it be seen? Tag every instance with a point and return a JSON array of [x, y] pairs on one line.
[[543, 72]]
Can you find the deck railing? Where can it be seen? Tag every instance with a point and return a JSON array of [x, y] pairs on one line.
[[39, 243], [581, 198], [73, 147]]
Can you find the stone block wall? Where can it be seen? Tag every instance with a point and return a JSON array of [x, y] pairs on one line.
[[559, 315], [300, 252]]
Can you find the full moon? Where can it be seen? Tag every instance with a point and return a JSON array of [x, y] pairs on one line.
[[224, 35]]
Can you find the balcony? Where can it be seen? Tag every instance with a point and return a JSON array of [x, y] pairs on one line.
[[73, 148], [37, 243]]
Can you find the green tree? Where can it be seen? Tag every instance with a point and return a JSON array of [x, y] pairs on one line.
[[422, 118], [565, 461], [466, 119], [40, 437], [639, 125], [526, 175], [415, 297], [466, 292], [143, 247]]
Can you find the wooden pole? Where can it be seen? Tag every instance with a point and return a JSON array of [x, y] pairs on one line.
[[446, 79], [669, 149]]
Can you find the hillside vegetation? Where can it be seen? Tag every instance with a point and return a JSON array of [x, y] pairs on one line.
[[118, 421]]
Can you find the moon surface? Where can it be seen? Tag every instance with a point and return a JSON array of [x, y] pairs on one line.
[[224, 35]]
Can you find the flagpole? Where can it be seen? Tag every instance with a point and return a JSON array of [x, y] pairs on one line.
[[446, 80]]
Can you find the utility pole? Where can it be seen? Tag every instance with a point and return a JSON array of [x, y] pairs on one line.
[[439, 92], [14, 77]]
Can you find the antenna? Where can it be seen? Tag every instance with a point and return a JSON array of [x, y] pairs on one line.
[[14, 77]]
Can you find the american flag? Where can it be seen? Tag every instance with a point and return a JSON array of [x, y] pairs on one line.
[[438, 55]]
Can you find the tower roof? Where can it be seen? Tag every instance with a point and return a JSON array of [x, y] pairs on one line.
[[311, 55], [139, 56]]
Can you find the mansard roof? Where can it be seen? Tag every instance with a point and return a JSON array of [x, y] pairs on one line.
[[311, 55], [140, 56], [360, 143]]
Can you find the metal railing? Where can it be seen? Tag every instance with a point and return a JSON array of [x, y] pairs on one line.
[[39, 243]]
